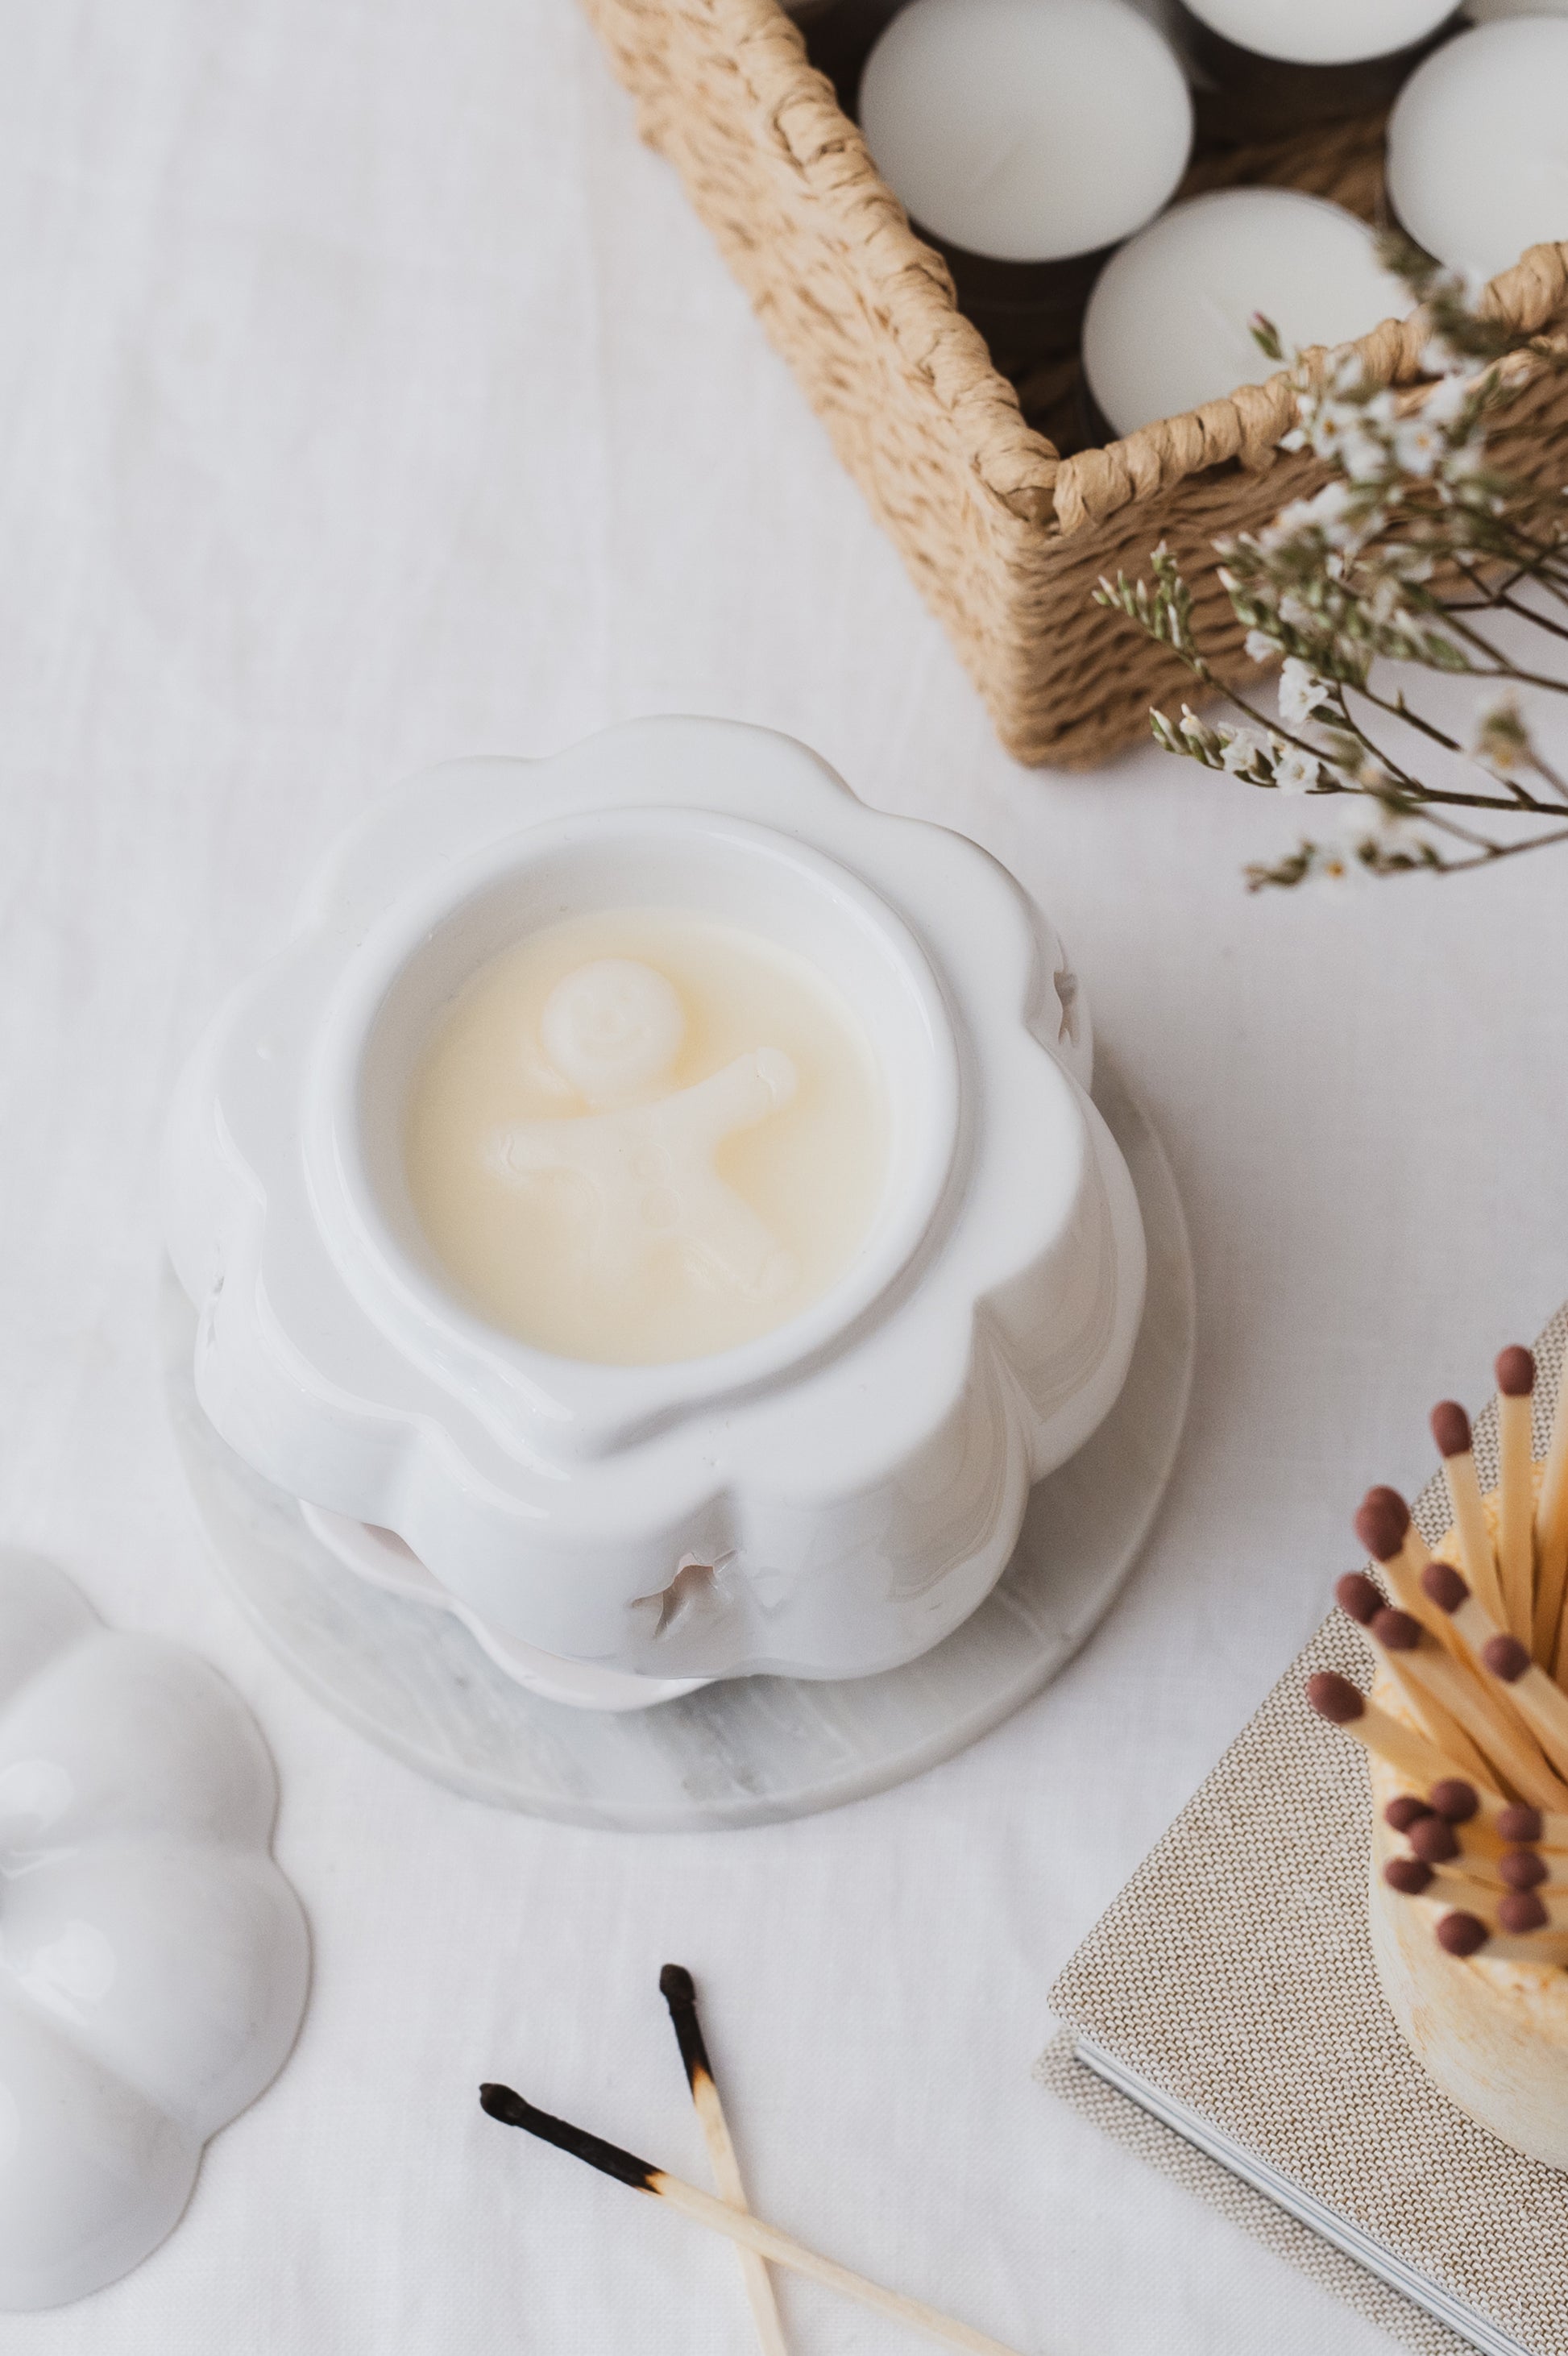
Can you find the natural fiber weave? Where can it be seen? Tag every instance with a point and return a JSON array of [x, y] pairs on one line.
[[1003, 538], [1235, 1972]]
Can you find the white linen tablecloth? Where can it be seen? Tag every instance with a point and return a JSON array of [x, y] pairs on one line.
[[369, 396]]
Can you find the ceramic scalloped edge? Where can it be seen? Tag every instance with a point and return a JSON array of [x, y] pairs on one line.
[[154, 1961], [852, 1484]]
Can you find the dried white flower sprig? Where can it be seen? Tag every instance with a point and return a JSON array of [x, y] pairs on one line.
[[1413, 552]]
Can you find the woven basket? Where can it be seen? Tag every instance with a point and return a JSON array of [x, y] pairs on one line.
[[1003, 537]]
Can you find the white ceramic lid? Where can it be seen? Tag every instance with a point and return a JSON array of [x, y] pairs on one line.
[[153, 1959]]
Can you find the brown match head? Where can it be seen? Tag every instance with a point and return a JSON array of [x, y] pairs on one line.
[[1454, 1800], [1396, 1632], [676, 1984], [1451, 1429], [1462, 1934], [1522, 1869], [1515, 1371], [1360, 1596], [1335, 1698], [1522, 1911], [1382, 1523], [1506, 1657], [1444, 1584], [1433, 1840], [1407, 1810], [1521, 1823], [1407, 1875]]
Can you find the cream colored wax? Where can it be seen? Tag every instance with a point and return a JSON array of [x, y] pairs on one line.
[[646, 1135]]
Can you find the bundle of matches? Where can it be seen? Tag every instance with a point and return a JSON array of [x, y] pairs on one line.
[[1476, 1652]]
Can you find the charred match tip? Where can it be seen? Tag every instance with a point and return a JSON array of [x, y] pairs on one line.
[[1396, 1632], [1360, 1596], [1454, 1800], [1335, 1698], [502, 2103], [1462, 1934], [1506, 1657], [679, 1993], [1522, 1869], [1521, 1910], [1382, 1523], [1433, 1840], [1444, 1584], [1521, 1823], [1407, 1810], [1515, 1371], [1451, 1429], [1407, 1875]]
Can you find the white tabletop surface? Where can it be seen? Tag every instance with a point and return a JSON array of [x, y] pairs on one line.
[[368, 396]]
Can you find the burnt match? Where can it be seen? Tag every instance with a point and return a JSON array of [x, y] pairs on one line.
[[678, 1990], [502, 2103]]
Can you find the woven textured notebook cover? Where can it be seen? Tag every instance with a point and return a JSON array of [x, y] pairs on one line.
[[1235, 1973]]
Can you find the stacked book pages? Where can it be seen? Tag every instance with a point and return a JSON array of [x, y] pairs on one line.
[[1225, 2021]]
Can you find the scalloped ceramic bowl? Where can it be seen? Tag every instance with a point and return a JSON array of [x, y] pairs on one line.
[[153, 1959], [828, 1500]]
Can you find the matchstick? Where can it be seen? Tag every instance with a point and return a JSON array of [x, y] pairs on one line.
[[679, 1991], [1451, 1430], [1412, 1877], [1519, 1911], [1552, 1534], [1453, 1855], [1545, 1948], [1526, 1868], [1515, 1371], [1510, 1745], [1358, 1596], [1460, 1846], [1485, 1823], [1384, 1527], [1525, 1934], [1516, 1869], [1543, 1705], [1484, 1880], [1409, 1753], [735, 2224]]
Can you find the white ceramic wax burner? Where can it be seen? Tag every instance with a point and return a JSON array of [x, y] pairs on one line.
[[153, 1959], [654, 1206]]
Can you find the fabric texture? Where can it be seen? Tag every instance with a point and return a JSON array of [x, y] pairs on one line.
[[1235, 1971]]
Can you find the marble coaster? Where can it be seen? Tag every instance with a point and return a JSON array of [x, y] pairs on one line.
[[745, 1751]]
